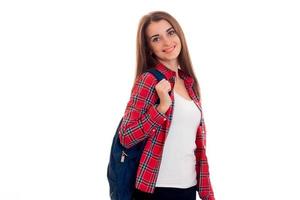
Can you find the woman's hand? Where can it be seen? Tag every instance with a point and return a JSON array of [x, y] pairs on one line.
[[163, 88]]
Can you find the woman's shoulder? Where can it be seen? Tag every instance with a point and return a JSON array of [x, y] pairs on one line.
[[144, 84], [146, 78]]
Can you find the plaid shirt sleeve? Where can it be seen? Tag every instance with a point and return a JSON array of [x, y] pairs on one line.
[[141, 118], [204, 184]]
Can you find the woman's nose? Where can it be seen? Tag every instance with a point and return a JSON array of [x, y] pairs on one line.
[[167, 41]]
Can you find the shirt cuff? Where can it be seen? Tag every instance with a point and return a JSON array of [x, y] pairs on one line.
[[156, 117]]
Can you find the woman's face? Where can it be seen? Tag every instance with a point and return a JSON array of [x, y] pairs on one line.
[[164, 42]]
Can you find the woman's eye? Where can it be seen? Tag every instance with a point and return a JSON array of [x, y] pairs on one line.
[[172, 32], [155, 39]]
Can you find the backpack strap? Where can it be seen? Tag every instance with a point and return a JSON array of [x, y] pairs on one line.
[[158, 75]]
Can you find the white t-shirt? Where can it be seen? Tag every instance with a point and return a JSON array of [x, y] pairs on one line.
[[177, 167]]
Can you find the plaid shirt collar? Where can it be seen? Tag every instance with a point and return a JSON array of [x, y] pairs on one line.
[[170, 74]]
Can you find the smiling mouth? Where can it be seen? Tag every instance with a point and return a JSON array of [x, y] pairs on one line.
[[169, 50]]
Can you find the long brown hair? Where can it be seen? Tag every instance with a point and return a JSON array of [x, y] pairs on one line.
[[146, 60]]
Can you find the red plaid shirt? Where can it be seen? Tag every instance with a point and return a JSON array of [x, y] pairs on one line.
[[143, 121]]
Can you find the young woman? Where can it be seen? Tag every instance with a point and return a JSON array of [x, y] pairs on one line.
[[173, 164]]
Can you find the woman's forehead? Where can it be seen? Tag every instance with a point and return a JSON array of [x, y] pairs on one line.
[[158, 27]]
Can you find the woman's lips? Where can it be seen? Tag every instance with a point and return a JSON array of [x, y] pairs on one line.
[[168, 50]]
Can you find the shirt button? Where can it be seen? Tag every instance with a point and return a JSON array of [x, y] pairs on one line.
[[165, 119], [153, 130]]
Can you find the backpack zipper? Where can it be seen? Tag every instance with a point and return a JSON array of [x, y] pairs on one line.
[[123, 156]]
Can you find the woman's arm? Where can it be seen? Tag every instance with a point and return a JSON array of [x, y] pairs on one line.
[[204, 184], [141, 118]]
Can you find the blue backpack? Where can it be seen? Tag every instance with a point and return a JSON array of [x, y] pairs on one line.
[[123, 163]]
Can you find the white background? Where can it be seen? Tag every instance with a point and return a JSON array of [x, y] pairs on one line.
[[67, 68]]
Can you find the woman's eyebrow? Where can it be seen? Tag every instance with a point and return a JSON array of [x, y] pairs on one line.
[[158, 34], [169, 29]]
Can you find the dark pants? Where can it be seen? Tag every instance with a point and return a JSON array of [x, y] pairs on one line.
[[167, 193]]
